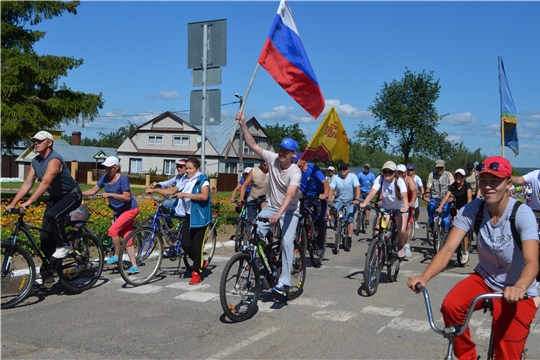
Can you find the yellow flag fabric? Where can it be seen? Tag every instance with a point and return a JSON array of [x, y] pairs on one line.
[[330, 142]]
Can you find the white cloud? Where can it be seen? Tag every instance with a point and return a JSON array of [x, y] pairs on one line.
[[529, 146], [169, 95], [465, 118], [302, 119], [278, 113], [453, 138], [530, 125], [347, 110], [533, 115]]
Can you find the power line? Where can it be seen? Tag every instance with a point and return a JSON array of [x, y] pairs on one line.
[[157, 113]]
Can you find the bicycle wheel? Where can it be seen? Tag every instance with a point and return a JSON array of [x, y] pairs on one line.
[[428, 239], [316, 261], [459, 252], [394, 261], [358, 223], [80, 270], [363, 222], [239, 288], [436, 236], [146, 247], [373, 267], [209, 246], [239, 238], [339, 224], [298, 272], [18, 274]]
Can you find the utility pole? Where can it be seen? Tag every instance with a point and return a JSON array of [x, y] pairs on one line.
[[241, 141]]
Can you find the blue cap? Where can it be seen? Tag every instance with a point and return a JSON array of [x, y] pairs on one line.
[[289, 144], [410, 167]]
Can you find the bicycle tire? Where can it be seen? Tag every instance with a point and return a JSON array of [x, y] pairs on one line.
[[298, 273], [373, 267], [459, 253], [436, 236], [316, 261], [337, 241], [239, 235], [363, 222], [210, 239], [392, 270], [239, 288], [357, 223], [81, 269], [147, 247], [20, 276], [428, 239]]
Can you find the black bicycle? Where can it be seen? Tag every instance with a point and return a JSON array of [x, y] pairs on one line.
[[240, 238], [240, 284], [341, 227], [360, 224], [382, 251], [78, 271], [307, 233]]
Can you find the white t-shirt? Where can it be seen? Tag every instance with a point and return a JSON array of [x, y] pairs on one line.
[[533, 178], [500, 262], [280, 180], [389, 198], [418, 182], [184, 205]]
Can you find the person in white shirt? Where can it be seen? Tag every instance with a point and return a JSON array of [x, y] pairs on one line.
[[420, 192]]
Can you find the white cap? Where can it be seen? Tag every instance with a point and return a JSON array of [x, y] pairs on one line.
[[247, 170], [111, 161], [42, 135], [331, 168], [390, 165], [460, 171], [401, 167]]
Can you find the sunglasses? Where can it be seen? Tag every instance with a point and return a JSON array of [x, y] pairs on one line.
[[388, 172], [493, 166], [180, 166], [459, 176], [36, 141]]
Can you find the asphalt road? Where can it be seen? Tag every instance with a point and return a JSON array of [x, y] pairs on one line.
[[168, 319]]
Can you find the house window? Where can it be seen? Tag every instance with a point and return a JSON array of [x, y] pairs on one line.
[[230, 168], [180, 140], [246, 150], [169, 167], [135, 166], [154, 139]]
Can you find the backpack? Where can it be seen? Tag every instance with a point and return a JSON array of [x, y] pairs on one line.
[[515, 233]]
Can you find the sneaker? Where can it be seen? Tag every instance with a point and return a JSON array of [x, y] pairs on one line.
[[401, 253], [348, 243], [408, 252], [205, 264], [195, 278], [62, 252], [366, 222], [465, 256], [416, 225], [319, 252], [280, 289], [112, 260], [133, 270], [47, 276]]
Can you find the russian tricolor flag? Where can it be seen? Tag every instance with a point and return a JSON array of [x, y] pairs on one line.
[[285, 59]]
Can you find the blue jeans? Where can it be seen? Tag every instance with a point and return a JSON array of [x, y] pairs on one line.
[[288, 223], [432, 206], [351, 210]]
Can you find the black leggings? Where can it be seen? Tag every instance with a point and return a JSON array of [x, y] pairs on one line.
[[192, 241], [53, 220]]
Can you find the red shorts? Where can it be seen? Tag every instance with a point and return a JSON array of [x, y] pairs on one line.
[[124, 223], [410, 214]]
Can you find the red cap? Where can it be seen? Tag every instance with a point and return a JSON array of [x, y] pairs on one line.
[[496, 165]]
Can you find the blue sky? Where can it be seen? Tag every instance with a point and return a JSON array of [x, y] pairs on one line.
[[135, 53]]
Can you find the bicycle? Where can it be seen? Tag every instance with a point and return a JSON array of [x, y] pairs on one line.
[[78, 271], [239, 287], [239, 236], [439, 230], [340, 228], [307, 233], [360, 224], [452, 331], [461, 248], [148, 249], [382, 251]]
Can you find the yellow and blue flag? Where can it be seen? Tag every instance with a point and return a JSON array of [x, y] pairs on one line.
[[508, 112]]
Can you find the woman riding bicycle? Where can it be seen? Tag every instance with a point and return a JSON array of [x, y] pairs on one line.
[[122, 203], [194, 205], [461, 191], [502, 266]]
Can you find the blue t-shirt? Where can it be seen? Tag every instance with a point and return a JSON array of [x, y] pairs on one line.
[[366, 181], [248, 188], [121, 185], [312, 178], [344, 187]]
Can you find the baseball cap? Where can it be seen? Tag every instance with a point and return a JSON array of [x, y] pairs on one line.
[[460, 171], [440, 163], [289, 144], [111, 161], [401, 167], [247, 170], [469, 165], [366, 165], [343, 166], [495, 165], [42, 135], [331, 168], [390, 165], [410, 167]]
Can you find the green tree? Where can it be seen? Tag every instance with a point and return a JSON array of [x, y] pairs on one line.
[[278, 132], [32, 98], [405, 110], [112, 139]]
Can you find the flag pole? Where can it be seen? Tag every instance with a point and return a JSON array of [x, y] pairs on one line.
[[502, 137], [241, 109]]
